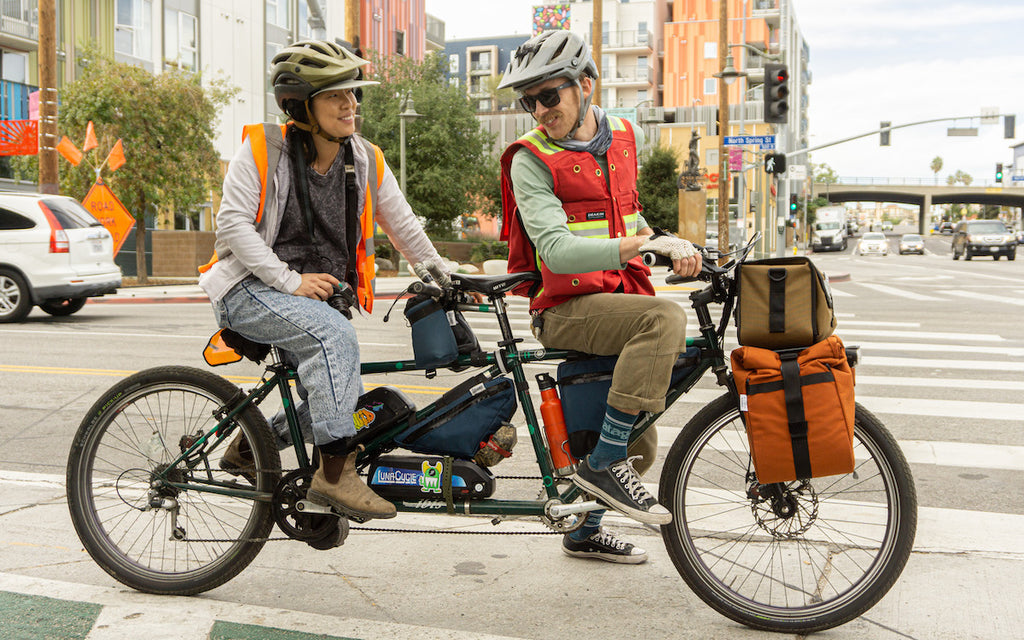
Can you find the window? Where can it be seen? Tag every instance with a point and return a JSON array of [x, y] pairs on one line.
[[710, 86], [14, 67], [278, 13], [641, 96], [400, 43], [133, 31], [181, 49], [710, 50], [453, 63], [641, 33], [642, 71], [10, 220], [305, 31]]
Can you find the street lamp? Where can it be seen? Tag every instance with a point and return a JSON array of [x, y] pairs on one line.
[[409, 113]]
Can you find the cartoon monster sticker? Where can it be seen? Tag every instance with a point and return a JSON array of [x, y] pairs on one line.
[[430, 481]]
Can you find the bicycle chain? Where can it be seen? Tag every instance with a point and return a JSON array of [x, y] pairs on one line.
[[391, 530]]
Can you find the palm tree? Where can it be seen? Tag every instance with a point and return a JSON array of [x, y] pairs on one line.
[[936, 167]]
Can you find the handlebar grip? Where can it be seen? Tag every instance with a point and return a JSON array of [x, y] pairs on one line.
[[652, 259], [426, 288]]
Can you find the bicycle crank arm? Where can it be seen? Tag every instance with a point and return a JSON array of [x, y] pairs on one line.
[[562, 510], [305, 506]]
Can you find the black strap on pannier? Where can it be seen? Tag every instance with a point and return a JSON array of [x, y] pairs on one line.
[[777, 301], [793, 391]]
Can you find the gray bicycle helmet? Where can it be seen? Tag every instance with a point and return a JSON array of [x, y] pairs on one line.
[[551, 54]]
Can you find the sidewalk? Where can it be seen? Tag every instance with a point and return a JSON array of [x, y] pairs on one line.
[[387, 289], [460, 587]]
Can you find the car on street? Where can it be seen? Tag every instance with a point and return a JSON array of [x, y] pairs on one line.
[[946, 227], [886, 225], [911, 243], [55, 254], [983, 238], [711, 242], [873, 243]]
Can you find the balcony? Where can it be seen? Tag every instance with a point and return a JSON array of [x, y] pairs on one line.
[[767, 10], [19, 24], [628, 76], [14, 100], [627, 42]]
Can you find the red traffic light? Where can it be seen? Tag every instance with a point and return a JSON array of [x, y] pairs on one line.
[[781, 75]]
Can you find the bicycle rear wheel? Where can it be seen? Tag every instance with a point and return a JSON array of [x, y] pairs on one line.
[[788, 557], [146, 534]]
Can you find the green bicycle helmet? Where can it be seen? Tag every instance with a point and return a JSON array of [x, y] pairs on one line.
[[304, 69]]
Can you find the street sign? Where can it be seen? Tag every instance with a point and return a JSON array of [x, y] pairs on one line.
[[1017, 178], [105, 207], [767, 142], [797, 172]]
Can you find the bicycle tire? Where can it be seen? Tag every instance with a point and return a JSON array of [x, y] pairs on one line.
[[757, 569], [138, 425]]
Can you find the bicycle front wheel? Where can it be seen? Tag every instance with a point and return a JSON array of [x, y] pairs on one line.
[[146, 533], [788, 557]]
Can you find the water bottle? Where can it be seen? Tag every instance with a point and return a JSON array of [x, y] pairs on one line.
[[554, 426]]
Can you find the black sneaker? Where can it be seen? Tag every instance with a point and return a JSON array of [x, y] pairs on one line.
[[620, 488], [603, 545]]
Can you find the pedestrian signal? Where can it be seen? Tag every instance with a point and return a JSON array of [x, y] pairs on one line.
[[775, 163]]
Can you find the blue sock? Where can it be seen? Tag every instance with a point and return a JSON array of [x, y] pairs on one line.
[[592, 524], [615, 432]]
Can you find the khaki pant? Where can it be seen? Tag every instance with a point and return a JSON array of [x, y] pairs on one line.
[[646, 332]]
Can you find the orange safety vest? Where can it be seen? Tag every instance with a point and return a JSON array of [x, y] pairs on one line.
[[365, 267], [594, 208]]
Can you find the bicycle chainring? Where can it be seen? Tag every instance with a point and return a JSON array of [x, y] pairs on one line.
[[565, 524], [308, 527]]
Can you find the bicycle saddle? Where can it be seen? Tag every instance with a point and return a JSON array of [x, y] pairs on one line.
[[491, 285]]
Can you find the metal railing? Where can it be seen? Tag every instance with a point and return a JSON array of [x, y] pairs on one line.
[[14, 100]]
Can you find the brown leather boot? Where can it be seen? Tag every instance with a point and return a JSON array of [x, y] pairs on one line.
[[238, 459], [337, 484]]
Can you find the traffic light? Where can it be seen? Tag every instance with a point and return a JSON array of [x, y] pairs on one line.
[[999, 172], [1009, 126], [775, 163], [883, 135], [792, 204], [776, 93]]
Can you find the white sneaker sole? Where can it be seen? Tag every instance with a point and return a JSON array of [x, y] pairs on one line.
[[607, 557]]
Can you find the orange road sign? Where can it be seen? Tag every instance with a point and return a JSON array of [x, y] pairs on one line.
[[105, 207]]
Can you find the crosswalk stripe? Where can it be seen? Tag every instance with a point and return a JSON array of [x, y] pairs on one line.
[[868, 347], [974, 295], [900, 293], [972, 365], [940, 383]]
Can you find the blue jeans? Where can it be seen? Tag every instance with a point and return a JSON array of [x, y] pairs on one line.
[[321, 340]]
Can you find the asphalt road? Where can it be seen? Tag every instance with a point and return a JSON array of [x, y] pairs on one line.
[[942, 345]]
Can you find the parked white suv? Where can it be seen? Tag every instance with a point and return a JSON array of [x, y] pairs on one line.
[[53, 253]]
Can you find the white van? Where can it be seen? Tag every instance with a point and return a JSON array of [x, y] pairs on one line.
[[829, 229]]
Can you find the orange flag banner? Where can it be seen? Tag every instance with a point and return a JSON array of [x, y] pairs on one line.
[[90, 138], [115, 159], [70, 152]]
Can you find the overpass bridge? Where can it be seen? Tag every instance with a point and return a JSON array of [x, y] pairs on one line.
[[924, 196]]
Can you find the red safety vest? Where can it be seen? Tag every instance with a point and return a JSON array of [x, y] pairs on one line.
[[365, 266], [594, 208]]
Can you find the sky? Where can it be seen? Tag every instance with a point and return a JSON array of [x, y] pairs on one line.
[[901, 61]]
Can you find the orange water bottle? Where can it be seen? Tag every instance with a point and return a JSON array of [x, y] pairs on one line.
[[554, 426]]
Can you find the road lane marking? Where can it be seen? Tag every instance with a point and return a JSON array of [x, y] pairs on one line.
[[974, 295], [901, 293], [941, 363]]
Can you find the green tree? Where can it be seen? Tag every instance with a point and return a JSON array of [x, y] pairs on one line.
[[450, 171], [936, 167], [167, 125], [824, 173], [657, 185], [502, 98]]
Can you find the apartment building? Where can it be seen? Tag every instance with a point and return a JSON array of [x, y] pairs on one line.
[[229, 39]]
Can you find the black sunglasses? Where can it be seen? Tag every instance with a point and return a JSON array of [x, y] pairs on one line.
[[548, 97]]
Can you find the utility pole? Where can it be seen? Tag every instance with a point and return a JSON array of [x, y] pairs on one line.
[[598, 32], [723, 130], [48, 175]]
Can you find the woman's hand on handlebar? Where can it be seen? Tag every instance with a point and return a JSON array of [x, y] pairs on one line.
[[687, 267], [318, 286]]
